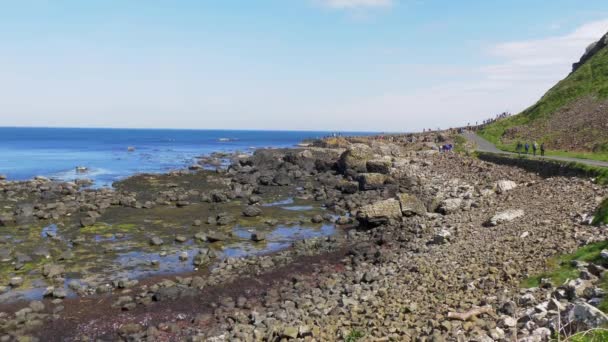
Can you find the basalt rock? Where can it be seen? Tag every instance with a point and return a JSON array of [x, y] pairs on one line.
[[355, 158], [379, 212]]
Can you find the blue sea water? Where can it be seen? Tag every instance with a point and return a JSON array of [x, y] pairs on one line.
[[56, 152]]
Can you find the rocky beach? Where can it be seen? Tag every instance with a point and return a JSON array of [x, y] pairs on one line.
[[358, 239]]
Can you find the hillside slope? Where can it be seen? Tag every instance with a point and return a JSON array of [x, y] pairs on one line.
[[572, 116]]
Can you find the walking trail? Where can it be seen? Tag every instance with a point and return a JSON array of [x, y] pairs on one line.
[[485, 146]]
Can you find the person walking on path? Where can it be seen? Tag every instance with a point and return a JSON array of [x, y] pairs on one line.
[[518, 147], [527, 147], [534, 147], [542, 149]]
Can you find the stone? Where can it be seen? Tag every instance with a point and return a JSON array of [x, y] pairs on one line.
[[15, 281], [505, 216], [290, 332], [224, 219], [508, 322], [555, 305], [252, 211], [379, 212], [180, 238], [382, 166], [503, 186], [411, 205], [316, 219], [450, 205], [442, 237], [604, 254], [371, 181], [576, 288], [258, 236], [586, 315], [59, 293], [36, 306], [355, 158], [156, 241], [87, 221], [52, 271], [130, 329], [183, 256]]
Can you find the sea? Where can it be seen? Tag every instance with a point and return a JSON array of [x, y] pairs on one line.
[[110, 155]]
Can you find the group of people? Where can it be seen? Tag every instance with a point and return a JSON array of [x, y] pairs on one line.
[[486, 122], [526, 148], [446, 148]]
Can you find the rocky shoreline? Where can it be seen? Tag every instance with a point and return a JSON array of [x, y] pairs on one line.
[[422, 246]]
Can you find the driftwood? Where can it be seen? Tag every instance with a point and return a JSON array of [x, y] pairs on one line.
[[465, 316]]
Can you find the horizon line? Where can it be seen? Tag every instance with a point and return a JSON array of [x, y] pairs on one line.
[[200, 129]]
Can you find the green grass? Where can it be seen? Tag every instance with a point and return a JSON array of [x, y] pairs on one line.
[[596, 335], [601, 215], [591, 79], [460, 143], [601, 156], [560, 269], [354, 335], [599, 173]]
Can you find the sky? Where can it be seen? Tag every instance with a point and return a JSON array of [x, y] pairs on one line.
[[337, 65]]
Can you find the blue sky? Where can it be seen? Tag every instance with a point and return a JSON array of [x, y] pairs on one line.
[[386, 65]]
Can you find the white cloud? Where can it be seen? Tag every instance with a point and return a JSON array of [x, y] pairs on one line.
[[543, 59], [356, 4], [524, 70]]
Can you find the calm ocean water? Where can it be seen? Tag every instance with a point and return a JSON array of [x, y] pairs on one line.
[[56, 152]]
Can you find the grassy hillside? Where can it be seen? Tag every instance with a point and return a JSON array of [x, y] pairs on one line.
[[571, 118]]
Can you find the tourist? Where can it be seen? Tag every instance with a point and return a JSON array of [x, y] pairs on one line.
[[542, 149], [527, 147], [534, 147], [518, 147]]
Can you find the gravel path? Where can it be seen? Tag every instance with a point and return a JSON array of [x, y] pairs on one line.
[[485, 146]]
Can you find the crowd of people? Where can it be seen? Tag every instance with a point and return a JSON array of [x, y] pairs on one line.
[[486, 122]]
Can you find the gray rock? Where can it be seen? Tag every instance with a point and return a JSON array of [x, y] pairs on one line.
[[156, 241], [258, 236], [252, 211], [355, 158], [503, 186], [505, 216], [382, 166], [450, 206], [371, 181], [15, 281], [53, 271], [410, 205], [442, 237], [316, 219], [379, 212], [585, 316]]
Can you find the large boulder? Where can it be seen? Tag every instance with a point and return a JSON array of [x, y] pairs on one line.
[[505, 216], [584, 316], [371, 181], [411, 205], [379, 212], [382, 166], [355, 158]]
